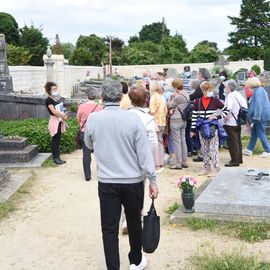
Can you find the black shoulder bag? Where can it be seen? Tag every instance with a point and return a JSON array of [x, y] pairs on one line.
[[187, 112], [151, 230], [242, 118]]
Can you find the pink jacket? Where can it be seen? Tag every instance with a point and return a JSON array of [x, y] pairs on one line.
[[54, 123]]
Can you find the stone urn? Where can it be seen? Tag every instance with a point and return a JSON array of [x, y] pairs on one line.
[[188, 197]]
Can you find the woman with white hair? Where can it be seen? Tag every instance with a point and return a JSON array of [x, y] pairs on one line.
[[258, 114], [233, 101], [158, 109]]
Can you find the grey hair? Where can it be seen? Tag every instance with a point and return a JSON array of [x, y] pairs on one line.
[[232, 84], [205, 73], [111, 91], [92, 93]]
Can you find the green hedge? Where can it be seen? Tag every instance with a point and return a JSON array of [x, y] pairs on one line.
[[36, 130]]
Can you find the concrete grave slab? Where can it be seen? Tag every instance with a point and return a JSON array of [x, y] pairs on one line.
[[37, 161], [13, 184], [233, 192]]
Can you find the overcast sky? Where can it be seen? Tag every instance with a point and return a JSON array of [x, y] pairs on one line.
[[196, 20]]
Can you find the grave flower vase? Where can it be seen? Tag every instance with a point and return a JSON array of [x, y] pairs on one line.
[[188, 200]]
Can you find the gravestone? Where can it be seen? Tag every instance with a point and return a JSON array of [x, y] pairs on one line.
[[6, 85], [233, 192], [4, 177], [16, 149], [172, 73]]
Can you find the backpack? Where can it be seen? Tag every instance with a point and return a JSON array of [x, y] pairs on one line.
[[242, 118], [187, 112]]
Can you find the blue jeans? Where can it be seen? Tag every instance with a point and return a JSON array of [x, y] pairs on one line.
[[258, 131]]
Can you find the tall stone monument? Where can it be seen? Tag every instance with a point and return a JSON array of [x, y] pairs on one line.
[[6, 85], [49, 65]]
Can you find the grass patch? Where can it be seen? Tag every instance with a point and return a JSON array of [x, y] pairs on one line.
[[49, 163], [172, 208], [249, 232], [11, 205], [235, 260], [258, 147], [196, 224], [6, 207]]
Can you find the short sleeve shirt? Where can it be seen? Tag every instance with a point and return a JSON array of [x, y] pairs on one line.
[[50, 101]]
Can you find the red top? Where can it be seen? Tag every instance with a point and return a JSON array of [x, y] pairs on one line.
[[85, 110], [205, 101], [248, 92]]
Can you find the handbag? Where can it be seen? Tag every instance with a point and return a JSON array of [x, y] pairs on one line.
[[151, 230], [242, 118], [187, 112], [78, 134]]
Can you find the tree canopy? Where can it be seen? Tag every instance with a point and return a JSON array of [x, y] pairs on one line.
[[204, 52], [154, 32], [18, 56], [173, 50], [90, 50], [252, 30], [32, 39], [9, 27]]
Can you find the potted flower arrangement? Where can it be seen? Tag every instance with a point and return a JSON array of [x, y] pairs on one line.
[[187, 184]]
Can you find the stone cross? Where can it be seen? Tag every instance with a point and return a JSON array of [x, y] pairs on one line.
[[6, 85], [221, 62]]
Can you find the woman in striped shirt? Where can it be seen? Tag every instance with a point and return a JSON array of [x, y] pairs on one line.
[[208, 108]]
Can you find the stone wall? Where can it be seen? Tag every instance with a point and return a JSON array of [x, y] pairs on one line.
[[130, 71], [32, 79]]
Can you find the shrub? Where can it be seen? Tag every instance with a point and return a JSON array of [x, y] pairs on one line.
[[257, 69], [73, 107], [36, 130]]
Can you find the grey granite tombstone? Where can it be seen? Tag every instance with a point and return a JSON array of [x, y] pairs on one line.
[[172, 73], [235, 193], [4, 177], [6, 85]]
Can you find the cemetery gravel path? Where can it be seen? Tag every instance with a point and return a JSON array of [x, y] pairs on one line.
[[57, 225]]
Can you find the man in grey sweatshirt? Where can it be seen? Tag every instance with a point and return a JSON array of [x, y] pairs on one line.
[[124, 158]]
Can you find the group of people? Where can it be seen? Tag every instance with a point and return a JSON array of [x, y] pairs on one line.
[[137, 124]]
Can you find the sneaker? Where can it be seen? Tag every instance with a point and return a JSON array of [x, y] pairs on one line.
[[171, 162], [265, 155], [141, 266], [247, 152]]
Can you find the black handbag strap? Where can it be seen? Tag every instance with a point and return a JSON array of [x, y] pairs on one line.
[[239, 110], [152, 207], [87, 117]]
